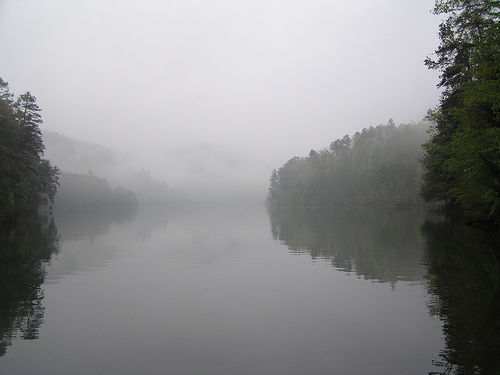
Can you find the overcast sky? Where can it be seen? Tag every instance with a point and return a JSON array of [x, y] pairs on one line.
[[247, 84]]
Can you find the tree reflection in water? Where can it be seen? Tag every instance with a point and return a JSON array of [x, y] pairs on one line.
[[24, 251], [461, 265], [377, 243], [464, 286]]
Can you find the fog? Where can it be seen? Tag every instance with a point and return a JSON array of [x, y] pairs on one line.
[[213, 95]]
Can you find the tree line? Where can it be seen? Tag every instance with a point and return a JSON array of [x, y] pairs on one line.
[[379, 165], [460, 166]]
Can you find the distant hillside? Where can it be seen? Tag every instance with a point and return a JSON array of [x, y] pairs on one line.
[[77, 156], [79, 190], [81, 157]]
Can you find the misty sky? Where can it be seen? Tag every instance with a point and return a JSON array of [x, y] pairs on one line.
[[219, 88]]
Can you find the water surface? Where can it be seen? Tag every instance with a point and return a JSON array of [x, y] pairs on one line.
[[226, 290]]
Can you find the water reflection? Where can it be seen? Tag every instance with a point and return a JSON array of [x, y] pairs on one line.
[[91, 238], [92, 222], [212, 292], [464, 282], [24, 253], [26, 249], [376, 243]]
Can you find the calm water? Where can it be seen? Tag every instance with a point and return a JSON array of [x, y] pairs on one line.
[[234, 290]]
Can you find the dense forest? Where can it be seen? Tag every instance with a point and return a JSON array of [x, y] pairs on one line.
[[27, 181], [461, 163], [379, 165]]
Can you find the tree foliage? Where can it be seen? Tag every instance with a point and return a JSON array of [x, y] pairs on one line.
[[27, 181], [379, 165], [462, 158]]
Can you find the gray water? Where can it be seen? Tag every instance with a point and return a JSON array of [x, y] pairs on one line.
[[232, 290]]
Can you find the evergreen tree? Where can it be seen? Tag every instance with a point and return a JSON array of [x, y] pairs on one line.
[[27, 181]]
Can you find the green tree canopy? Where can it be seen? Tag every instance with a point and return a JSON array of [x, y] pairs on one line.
[[462, 158]]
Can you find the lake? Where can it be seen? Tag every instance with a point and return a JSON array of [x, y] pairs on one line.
[[240, 290]]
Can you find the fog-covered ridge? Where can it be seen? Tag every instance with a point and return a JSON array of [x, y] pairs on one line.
[[88, 165], [197, 174]]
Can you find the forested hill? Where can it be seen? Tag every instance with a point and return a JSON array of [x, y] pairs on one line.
[[77, 156], [97, 166], [379, 165]]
